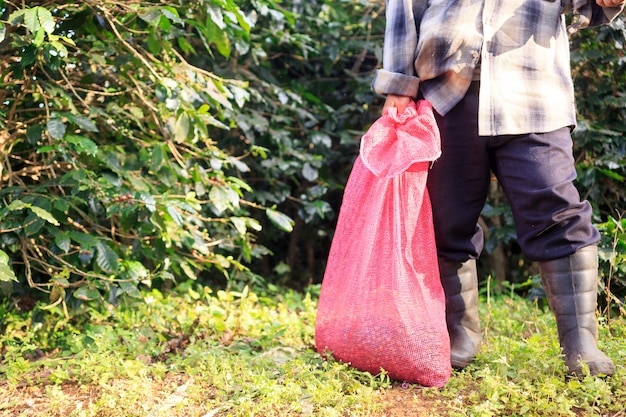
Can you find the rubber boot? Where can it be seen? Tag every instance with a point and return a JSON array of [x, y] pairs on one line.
[[460, 284], [572, 289]]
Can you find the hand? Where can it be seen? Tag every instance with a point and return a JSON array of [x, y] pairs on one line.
[[400, 102], [610, 3]]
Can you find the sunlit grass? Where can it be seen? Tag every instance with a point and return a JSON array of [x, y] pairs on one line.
[[197, 352]]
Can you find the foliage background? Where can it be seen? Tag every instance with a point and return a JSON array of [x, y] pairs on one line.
[[144, 143]]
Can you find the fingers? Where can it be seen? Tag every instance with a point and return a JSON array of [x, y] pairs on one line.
[[609, 3], [399, 102]]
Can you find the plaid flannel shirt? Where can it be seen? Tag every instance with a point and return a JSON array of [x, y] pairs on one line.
[[521, 48]]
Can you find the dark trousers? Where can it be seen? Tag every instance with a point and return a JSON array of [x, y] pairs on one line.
[[536, 173]]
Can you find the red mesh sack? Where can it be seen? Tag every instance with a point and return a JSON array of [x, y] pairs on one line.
[[381, 304]]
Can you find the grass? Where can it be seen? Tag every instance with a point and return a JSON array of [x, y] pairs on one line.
[[201, 353]]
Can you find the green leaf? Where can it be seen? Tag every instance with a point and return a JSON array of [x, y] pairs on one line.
[[241, 95], [174, 214], [181, 127], [60, 282], [240, 225], [29, 56], [137, 183], [46, 20], [67, 40], [17, 205], [217, 17], [199, 243], [62, 241], [164, 24], [130, 289], [17, 17], [86, 293], [4, 258], [83, 239], [106, 258], [45, 215], [56, 128], [150, 15], [34, 133], [185, 46], [135, 271], [149, 201], [39, 37], [61, 205], [39, 18], [215, 89], [309, 172], [157, 158], [44, 149], [31, 21], [83, 122], [281, 220], [612, 174], [239, 184], [83, 145], [240, 165], [6, 273], [191, 274], [243, 22], [33, 224], [222, 198], [171, 14], [223, 44], [322, 139], [254, 224], [215, 33], [154, 45]]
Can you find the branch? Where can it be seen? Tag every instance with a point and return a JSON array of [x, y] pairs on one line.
[[112, 23], [207, 73]]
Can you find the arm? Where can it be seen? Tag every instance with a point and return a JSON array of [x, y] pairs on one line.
[[609, 3], [595, 12], [611, 8], [399, 50]]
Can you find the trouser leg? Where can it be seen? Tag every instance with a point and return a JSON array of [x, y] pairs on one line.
[[554, 227], [458, 184], [536, 172]]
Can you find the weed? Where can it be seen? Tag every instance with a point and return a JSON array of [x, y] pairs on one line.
[[199, 352]]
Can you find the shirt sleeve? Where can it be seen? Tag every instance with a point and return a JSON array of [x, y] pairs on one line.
[[587, 13], [399, 50]]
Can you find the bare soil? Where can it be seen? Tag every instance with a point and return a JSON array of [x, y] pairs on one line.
[[62, 400]]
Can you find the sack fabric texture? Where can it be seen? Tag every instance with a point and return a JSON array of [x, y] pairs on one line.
[[382, 306]]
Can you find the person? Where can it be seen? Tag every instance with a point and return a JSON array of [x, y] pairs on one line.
[[498, 75]]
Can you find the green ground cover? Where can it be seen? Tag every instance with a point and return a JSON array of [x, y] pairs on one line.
[[196, 352]]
